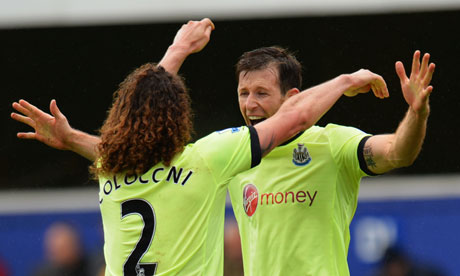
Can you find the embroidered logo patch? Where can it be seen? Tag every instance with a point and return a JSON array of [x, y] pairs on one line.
[[300, 155]]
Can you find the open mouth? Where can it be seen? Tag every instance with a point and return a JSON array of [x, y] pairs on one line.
[[255, 120]]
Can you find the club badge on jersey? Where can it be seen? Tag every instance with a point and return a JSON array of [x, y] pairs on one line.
[[301, 156]]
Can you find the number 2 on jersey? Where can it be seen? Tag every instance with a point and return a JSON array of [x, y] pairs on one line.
[[132, 266]]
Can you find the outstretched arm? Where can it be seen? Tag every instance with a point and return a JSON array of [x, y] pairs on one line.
[[54, 130], [303, 110], [386, 152]]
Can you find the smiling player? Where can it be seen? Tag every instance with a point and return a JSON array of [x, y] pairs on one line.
[[162, 200]]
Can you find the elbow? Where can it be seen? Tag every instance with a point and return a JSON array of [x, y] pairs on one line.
[[306, 120], [406, 163], [403, 162], [409, 161], [303, 124], [400, 157], [295, 121]]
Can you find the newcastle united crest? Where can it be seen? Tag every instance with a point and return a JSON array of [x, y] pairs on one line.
[[300, 156]]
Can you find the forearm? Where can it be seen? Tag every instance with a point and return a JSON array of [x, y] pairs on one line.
[[300, 112], [191, 38], [310, 105], [174, 58], [408, 139], [83, 144]]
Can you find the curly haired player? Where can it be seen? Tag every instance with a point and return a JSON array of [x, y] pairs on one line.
[[162, 200]]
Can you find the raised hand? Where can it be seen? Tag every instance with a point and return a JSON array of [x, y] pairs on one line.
[[365, 80], [194, 35], [416, 88], [53, 130], [191, 38]]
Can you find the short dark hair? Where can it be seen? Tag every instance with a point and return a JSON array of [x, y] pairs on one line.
[[289, 68]]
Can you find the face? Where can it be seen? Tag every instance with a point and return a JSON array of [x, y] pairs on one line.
[[259, 94]]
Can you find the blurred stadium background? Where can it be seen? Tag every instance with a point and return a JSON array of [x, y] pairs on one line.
[[78, 51]]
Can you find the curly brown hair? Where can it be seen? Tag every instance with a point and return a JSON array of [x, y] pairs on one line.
[[149, 122]]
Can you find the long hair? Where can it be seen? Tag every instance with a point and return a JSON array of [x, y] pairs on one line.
[[149, 122]]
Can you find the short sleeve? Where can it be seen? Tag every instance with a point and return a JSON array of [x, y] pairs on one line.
[[345, 144], [230, 151]]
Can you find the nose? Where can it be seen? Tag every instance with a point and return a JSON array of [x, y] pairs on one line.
[[251, 102]]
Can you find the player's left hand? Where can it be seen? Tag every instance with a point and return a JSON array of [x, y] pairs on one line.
[[416, 88], [194, 35]]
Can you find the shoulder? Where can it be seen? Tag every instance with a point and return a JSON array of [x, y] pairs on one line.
[[222, 135], [339, 132], [224, 144], [335, 127]]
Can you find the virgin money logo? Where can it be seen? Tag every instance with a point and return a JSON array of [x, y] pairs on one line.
[[250, 199]]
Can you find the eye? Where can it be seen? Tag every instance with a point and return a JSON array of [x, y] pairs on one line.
[[262, 93], [243, 93]]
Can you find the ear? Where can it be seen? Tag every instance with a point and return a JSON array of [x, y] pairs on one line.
[[291, 92]]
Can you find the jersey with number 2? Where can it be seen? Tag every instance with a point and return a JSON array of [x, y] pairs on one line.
[[169, 221]]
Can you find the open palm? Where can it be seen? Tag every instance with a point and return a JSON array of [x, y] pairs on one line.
[[49, 129], [416, 88]]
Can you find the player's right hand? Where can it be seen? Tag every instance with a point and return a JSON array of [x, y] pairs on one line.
[[53, 130], [363, 81]]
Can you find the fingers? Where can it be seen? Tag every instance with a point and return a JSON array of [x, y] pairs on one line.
[[386, 93], [32, 111], [26, 135], [425, 70], [428, 91], [365, 80], [208, 31], [429, 75], [18, 107], [416, 63], [209, 25], [379, 87], [375, 91], [23, 119], [194, 35], [382, 87], [379, 90], [424, 66], [208, 22], [400, 71], [55, 110]]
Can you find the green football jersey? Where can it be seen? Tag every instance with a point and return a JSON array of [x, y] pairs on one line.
[[170, 220], [295, 208]]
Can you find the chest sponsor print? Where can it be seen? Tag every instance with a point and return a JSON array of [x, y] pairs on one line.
[[250, 199]]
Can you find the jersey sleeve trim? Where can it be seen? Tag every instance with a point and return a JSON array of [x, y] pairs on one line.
[[362, 161], [256, 152]]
